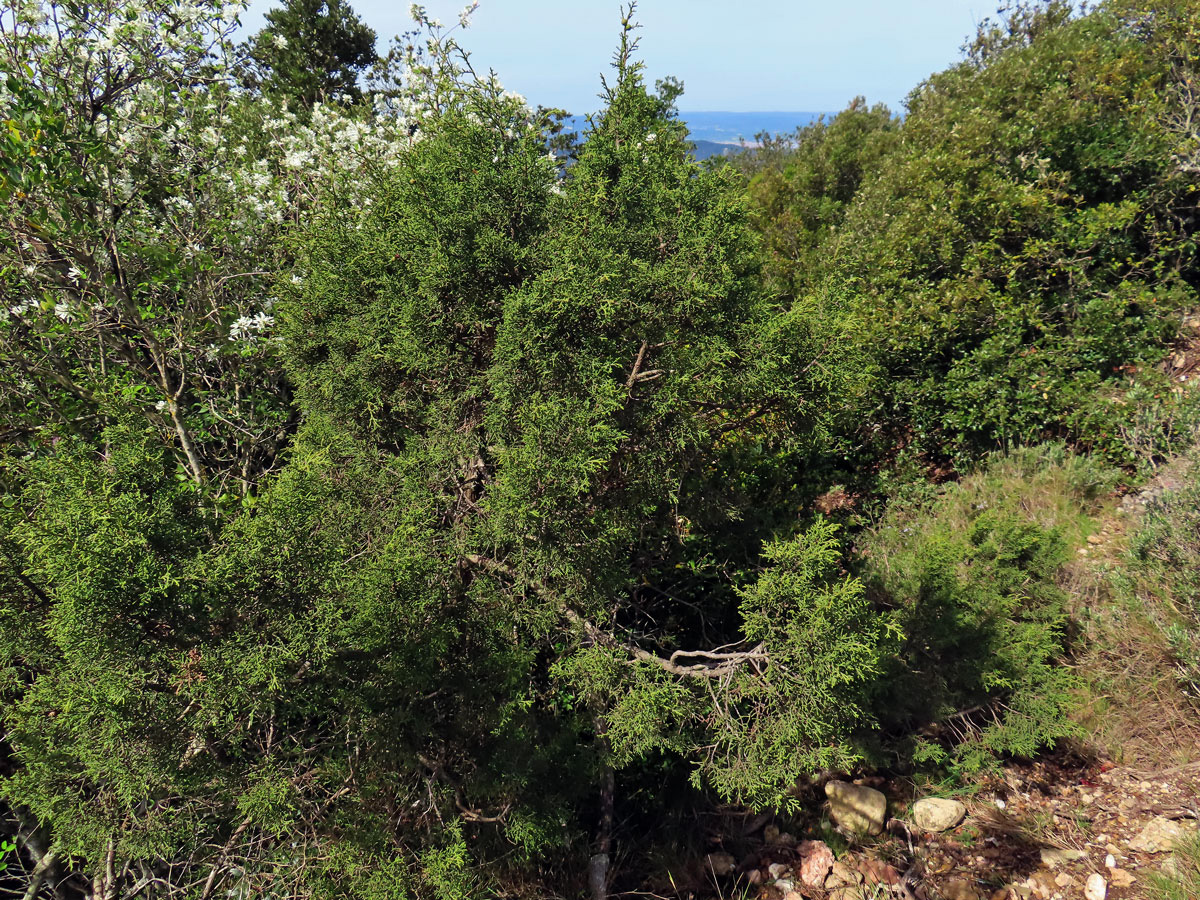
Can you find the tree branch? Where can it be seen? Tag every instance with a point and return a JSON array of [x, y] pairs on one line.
[[727, 663]]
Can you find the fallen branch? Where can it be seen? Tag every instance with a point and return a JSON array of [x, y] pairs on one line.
[[725, 663]]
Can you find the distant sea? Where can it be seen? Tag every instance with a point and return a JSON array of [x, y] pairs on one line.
[[733, 127], [716, 132]]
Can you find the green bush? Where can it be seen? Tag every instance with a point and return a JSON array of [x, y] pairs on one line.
[[501, 566], [971, 577], [519, 537], [802, 185], [1019, 242]]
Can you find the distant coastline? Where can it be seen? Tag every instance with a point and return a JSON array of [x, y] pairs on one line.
[[716, 132], [734, 127]]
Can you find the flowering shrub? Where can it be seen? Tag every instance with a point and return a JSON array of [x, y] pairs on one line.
[[145, 193]]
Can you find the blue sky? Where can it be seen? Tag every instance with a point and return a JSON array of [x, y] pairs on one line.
[[811, 55]]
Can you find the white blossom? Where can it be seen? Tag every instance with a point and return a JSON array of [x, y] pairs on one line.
[[249, 328]]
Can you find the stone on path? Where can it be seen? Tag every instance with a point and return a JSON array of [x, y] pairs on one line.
[[937, 814], [1120, 878], [1053, 857], [778, 870], [1161, 835], [856, 807], [1096, 888]]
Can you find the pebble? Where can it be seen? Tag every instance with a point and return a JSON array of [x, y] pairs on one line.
[[1053, 857], [843, 874], [816, 861], [1120, 878], [1096, 887], [856, 807], [938, 814]]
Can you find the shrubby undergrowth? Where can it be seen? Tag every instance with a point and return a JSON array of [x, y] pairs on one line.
[[973, 577], [387, 503], [1163, 573]]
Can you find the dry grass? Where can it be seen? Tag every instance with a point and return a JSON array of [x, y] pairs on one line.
[[1133, 709], [1184, 882]]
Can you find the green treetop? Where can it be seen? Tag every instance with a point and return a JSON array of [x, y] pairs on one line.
[[310, 50]]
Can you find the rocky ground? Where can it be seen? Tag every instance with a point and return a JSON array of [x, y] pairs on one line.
[[1060, 828]]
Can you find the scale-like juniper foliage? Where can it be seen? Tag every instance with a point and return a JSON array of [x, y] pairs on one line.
[[407, 579]]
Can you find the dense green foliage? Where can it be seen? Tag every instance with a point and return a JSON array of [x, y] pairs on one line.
[[1021, 242], [972, 574], [387, 503], [803, 184], [310, 50]]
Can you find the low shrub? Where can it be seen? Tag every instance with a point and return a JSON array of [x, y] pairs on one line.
[[972, 578]]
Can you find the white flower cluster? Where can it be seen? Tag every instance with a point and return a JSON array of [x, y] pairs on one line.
[[25, 306], [122, 35], [233, 168], [248, 329]]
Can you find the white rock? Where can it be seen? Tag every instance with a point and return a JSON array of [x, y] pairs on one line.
[[1110, 862], [1096, 887], [937, 814], [1159, 836], [777, 870]]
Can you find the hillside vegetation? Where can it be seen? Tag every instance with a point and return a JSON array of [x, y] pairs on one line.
[[404, 499]]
